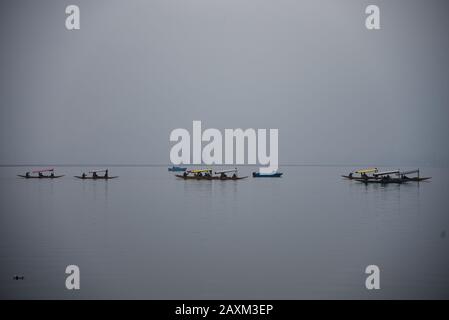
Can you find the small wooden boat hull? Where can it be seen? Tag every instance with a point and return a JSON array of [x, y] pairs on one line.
[[417, 179], [381, 181], [177, 169], [209, 178], [96, 178], [271, 175], [355, 178], [37, 177]]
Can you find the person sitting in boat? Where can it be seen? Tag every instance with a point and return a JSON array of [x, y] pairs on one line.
[[223, 175], [106, 173], [83, 175], [207, 174], [40, 174], [52, 174], [185, 174], [94, 175], [350, 175], [27, 174], [234, 176], [364, 176]]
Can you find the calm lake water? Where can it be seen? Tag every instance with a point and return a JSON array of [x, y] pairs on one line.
[[309, 234]]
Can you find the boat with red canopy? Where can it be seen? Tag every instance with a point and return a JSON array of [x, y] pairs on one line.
[[41, 174]]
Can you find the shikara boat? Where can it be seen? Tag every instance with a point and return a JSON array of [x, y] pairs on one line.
[[405, 176], [383, 177], [206, 174], [267, 175], [41, 175], [209, 177], [362, 173], [177, 169], [95, 175]]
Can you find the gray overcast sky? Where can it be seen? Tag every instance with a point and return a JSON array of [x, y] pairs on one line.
[[113, 91]]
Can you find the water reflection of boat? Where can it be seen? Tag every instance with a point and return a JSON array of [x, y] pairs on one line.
[[41, 175]]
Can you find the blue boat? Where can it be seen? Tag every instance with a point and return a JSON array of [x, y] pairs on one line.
[[177, 169], [267, 175]]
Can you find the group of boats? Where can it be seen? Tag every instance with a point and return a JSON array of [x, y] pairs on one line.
[[209, 174], [373, 175], [49, 173], [369, 175]]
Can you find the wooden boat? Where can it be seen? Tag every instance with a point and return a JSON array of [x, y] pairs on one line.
[[40, 177], [206, 174], [404, 175], [177, 169], [417, 179], [208, 177], [40, 174], [362, 173], [267, 175], [94, 176]]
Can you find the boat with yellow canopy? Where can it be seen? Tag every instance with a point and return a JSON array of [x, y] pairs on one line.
[[361, 173]]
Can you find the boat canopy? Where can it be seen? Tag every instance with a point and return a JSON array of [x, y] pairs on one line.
[[369, 170], [409, 172], [43, 170], [201, 170], [99, 170], [383, 173], [226, 171]]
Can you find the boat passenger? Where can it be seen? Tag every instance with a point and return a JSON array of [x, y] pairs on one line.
[[94, 175], [40, 174], [106, 173], [234, 176], [27, 174], [185, 174], [52, 174], [223, 175], [350, 175], [83, 175]]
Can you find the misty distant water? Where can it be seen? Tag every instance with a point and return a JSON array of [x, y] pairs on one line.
[[309, 234]]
